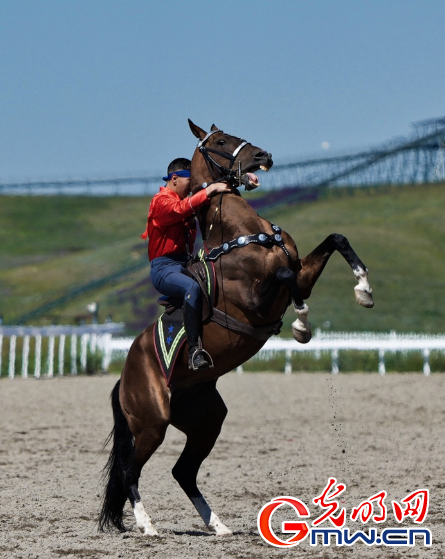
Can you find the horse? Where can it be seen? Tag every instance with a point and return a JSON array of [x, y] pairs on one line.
[[259, 274]]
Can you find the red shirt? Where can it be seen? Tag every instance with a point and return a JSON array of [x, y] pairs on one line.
[[168, 227]]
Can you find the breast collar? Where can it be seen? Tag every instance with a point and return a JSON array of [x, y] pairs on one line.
[[243, 240]]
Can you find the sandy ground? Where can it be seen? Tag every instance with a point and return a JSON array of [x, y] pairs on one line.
[[284, 435]]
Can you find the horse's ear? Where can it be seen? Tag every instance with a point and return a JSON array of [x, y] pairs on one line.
[[197, 131], [214, 127]]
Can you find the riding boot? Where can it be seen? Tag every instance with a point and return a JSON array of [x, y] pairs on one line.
[[192, 323]]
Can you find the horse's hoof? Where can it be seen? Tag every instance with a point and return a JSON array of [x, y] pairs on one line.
[[224, 532], [301, 327], [149, 531], [221, 530], [300, 336], [143, 521], [363, 297], [302, 332], [217, 527]]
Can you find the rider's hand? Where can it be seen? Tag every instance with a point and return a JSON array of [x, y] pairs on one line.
[[217, 188]]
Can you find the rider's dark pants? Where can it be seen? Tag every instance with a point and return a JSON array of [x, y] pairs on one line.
[[168, 277]]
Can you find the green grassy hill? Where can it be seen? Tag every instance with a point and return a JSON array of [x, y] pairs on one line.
[[52, 246]]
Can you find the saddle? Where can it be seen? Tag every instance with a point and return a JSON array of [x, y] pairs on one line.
[[169, 332]]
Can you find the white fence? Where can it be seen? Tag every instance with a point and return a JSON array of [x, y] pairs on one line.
[[84, 339], [333, 343], [30, 340], [358, 341]]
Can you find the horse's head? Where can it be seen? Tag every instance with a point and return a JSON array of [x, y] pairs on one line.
[[221, 157]]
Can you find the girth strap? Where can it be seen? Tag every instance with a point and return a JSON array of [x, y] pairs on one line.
[[244, 240], [258, 332]]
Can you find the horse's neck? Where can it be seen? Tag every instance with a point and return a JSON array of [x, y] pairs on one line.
[[230, 217]]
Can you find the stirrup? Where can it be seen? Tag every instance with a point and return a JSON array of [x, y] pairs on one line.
[[205, 354]]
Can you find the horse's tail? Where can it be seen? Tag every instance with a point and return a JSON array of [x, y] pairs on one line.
[[115, 495]]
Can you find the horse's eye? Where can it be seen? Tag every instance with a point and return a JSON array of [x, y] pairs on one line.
[[221, 142]]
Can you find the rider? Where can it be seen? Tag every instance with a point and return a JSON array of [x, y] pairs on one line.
[[171, 231]]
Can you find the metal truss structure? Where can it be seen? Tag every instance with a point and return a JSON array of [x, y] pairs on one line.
[[419, 158]]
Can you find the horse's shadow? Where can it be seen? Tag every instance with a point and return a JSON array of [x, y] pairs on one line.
[[199, 533]]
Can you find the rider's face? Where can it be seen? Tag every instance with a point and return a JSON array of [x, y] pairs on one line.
[[181, 185]]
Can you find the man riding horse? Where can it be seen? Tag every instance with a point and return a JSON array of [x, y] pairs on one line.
[[171, 231], [260, 273]]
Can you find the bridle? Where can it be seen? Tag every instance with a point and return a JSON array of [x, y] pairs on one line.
[[261, 238], [226, 173], [230, 176]]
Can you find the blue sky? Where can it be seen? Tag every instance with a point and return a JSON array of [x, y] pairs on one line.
[[101, 88]]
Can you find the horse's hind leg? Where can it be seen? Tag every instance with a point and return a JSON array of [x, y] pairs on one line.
[[140, 402], [127, 457], [144, 448], [200, 416], [145, 444], [145, 400], [313, 265]]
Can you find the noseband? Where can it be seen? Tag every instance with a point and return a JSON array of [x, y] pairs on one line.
[[227, 173]]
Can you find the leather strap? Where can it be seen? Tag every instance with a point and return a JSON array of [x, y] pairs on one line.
[[244, 240], [258, 332]]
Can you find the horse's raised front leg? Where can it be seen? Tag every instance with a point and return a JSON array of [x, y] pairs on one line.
[[301, 327], [313, 265], [200, 416]]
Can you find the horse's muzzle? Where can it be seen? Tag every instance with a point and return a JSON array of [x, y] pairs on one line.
[[264, 159]]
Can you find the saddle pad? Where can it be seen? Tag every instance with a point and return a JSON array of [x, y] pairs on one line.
[[169, 336]]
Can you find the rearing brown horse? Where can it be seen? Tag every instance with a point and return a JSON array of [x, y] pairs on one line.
[[259, 273]]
